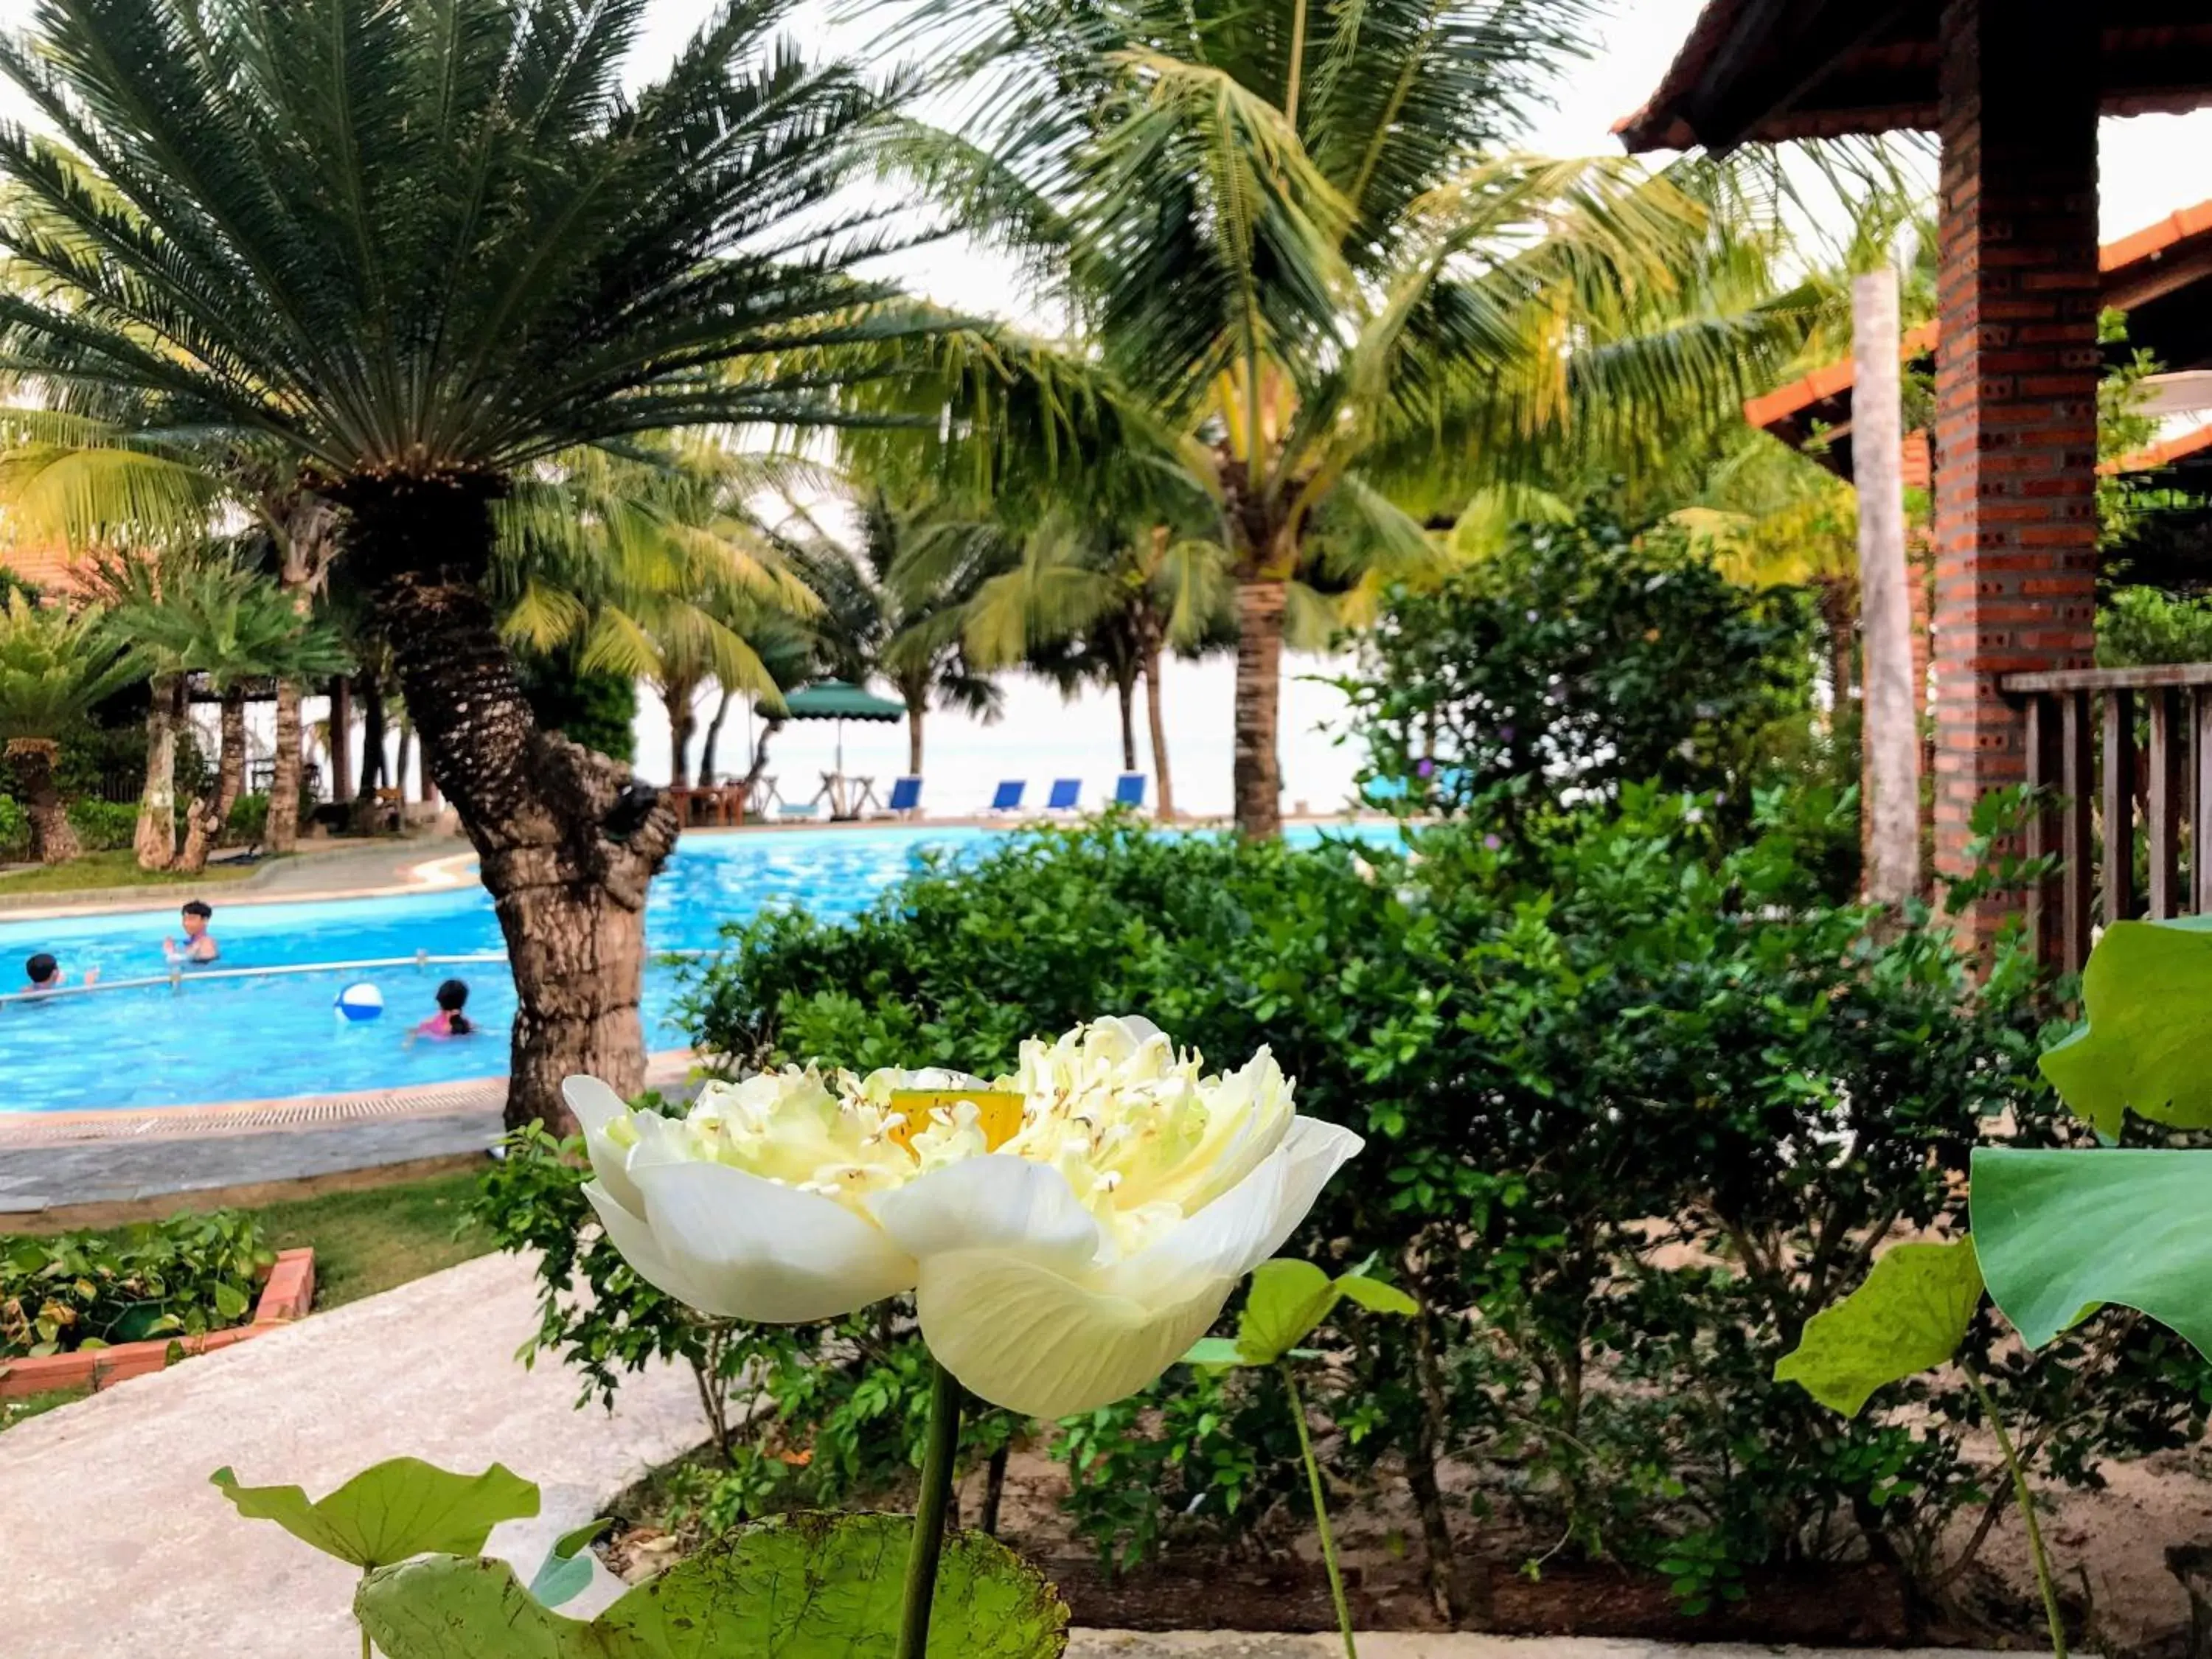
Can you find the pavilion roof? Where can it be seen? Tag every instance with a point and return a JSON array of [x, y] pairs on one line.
[[1764, 70], [2161, 275]]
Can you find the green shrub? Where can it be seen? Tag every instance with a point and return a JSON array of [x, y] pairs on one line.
[[15, 831], [1577, 659], [182, 1277], [248, 821], [104, 826], [1639, 1103]]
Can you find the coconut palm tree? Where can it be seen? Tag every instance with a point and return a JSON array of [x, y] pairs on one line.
[[208, 615], [908, 629], [423, 245], [657, 565], [1296, 232], [55, 665]]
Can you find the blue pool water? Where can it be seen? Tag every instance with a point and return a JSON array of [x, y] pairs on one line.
[[260, 1039]]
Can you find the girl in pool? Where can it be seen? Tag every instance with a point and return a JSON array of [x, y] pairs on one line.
[[449, 1021]]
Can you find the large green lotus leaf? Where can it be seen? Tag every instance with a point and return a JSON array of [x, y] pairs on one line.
[[2062, 1232], [2147, 1045], [801, 1587], [1909, 1314], [392, 1510]]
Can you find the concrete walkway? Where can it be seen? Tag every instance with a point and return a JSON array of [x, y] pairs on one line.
[[116, 1547]]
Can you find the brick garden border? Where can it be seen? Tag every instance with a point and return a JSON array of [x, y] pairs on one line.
[[285, 1298]]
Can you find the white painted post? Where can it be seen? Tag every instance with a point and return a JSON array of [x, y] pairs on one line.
[[1890, 731]]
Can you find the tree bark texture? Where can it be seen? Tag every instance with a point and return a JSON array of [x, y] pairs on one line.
[[154, 841], [1258, 779], [681, 721], [710, 748], [230, 761], [281, 832], [342, 739], [567, 839], [914, 712], [53, 841], [201, 824], [372, 734], [1156, 716], [1125, 688], [1889, 742]]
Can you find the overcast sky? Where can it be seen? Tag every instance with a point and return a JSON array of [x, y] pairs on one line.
[[2152, 165]]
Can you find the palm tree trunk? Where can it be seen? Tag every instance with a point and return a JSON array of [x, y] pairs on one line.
[[1125, 687], [230, 764], [1164, 791], [342, 739], [282, 833], [201, 825], [53, 841], [759, 761], [155, 840], [914, 711], [371, 735], [307, 551], [1257, 775], [681, 719], [709, 749], [1838, 602], [567, 840]]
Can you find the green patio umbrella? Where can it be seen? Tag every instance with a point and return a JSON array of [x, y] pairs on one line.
[[839, 700]]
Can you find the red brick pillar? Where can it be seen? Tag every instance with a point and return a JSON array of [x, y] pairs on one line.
[[2016, 371]]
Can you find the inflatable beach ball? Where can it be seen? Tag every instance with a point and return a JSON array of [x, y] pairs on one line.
[[359, 1002]]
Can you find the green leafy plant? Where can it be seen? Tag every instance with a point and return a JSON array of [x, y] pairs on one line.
[[182, 1277], [1287, 1301], [1912, 1314], [390, 1512], [802, 1587]]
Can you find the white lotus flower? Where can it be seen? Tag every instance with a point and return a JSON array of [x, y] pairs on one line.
[[1069, 1232]]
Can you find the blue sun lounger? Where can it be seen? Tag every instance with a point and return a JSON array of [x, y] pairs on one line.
[[1129, 790], [1009, 796], [906, 797], [1064, 793]]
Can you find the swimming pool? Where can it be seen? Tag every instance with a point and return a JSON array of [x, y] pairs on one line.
[[273, 1038]]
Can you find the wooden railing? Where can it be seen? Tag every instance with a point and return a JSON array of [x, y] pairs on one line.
[[2122, 753]]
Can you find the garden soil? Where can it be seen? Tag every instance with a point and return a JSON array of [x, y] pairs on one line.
[[2110, 1547]]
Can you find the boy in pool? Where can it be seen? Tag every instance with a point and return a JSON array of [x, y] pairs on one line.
[[449, 1021], [45, 974], [199, 945]]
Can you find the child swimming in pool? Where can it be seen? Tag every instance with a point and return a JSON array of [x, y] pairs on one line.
[[199, 945], [449, 1021], [43, 974]]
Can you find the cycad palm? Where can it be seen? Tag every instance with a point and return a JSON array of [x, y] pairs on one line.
[[54, 666], [421, 245], [1290, 229]]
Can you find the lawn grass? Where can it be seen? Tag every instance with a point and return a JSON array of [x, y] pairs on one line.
[[13, 1411], [95, 871], [370, 1241]]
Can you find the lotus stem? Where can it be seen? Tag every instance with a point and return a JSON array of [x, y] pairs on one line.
[[1321, 1510], [2044, 1581], [929, 1509]]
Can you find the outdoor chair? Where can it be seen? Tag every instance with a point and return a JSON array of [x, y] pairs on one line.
[[1009, 796], [1065, 792], [1129, 791], [906, 797], [765, 798]]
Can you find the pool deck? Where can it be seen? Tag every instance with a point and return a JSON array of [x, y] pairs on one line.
[[103, 1169], [320, 870]]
